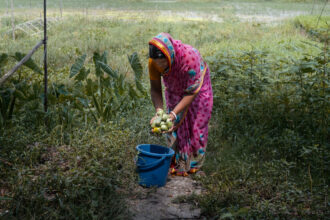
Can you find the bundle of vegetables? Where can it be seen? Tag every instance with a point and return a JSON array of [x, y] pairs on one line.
[[161, 123]]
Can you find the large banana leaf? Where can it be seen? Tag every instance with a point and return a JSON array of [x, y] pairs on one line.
[[120, 85], [19, 94], [108, 111], [29, 63], [2, 111], [104, 57], [3, 59], [77, 66], [138, 70], [1, 121], [6, 96], [82, 75], [97, 104], [61, 89], [106, 68], [96, 58], [108, 95], [91, 87], [132, 93], [135, 63]]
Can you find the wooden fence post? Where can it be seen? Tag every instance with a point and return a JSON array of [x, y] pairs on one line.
[[318, 20], [61, 8], [86, 9], [7, 10], [12, 18], [313, 7]]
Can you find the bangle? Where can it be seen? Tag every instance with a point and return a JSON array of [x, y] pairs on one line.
[[173, 113]]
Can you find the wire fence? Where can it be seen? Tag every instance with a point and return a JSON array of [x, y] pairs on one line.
[[27, 15], [30, 17], [35, 26], [59, 6]]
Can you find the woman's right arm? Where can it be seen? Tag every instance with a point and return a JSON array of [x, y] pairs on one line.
[[156, 93]]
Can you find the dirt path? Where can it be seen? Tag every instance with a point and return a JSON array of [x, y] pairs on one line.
[[159, 203]]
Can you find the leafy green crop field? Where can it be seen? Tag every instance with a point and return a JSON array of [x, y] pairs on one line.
[[268, 152]]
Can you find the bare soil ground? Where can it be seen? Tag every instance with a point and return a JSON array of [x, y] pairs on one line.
[[162, 202]]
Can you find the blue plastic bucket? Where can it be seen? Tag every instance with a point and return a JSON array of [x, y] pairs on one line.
[[153, 162]]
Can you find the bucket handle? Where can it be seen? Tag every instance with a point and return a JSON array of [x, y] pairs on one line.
[[151, 165]]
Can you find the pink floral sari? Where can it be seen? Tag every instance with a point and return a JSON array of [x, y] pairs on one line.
[[188, 74]]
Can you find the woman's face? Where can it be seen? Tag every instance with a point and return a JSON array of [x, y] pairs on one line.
[[161, 63]]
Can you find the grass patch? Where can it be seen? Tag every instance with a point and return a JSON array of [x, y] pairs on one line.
[[120, 38], [86, 179], [317, 27]]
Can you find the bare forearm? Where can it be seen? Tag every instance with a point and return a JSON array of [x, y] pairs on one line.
[[156, 93], [157, 99], [185, 102]]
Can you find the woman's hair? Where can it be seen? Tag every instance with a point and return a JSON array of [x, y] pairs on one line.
[[155, 53]]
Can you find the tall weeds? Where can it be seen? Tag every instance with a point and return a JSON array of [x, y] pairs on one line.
[[269, 157]]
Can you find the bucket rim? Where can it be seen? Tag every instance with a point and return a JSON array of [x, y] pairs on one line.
[[169, 154]]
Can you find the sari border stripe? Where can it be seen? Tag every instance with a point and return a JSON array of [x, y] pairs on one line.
[[201, 84], [163, 49], [195, 92]]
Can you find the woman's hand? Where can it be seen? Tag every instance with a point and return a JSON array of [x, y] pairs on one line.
[[172, 117], [171, 129], [156, 114], [160, 113], [153, 118]]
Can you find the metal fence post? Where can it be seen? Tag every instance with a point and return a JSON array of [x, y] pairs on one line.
[[45, 57]]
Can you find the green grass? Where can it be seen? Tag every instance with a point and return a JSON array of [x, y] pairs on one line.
[[217, 6], [147, 4], [120, 38], [49, 179]]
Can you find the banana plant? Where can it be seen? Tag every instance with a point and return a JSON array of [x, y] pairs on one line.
[[138, 71], [29, 63], [3, 61], [104, 92], [13, 94]]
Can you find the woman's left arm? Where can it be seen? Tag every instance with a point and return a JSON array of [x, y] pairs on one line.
[[194, 70], [183, 104]]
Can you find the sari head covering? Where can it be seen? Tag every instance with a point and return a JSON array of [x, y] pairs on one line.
[[155, 53], [163, 42]]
